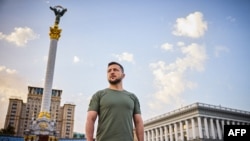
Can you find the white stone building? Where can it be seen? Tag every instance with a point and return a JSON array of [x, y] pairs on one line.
[[197, 122]]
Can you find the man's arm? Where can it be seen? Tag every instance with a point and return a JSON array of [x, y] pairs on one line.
[[89, 128], [139, 127]]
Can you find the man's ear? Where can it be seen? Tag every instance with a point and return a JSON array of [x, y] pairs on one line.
[[123, 75]]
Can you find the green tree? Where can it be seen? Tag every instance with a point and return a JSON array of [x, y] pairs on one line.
[[10, 130], [75, 135]]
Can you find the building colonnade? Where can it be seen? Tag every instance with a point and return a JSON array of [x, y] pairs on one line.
[[189, 129]]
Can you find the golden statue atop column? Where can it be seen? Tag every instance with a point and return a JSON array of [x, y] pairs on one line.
[[59, 12]]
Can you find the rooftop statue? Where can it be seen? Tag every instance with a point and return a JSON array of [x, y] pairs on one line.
[[59, 11]]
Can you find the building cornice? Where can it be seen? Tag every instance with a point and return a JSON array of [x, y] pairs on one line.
[[198, 108]]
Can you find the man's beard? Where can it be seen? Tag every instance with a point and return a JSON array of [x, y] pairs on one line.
[[116, 81]]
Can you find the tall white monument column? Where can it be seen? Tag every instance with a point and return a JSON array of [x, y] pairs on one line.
[[54, 37], [49, 77], [44, 128]]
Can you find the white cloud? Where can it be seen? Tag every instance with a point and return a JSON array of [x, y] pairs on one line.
[[219, 50], [191, 26], [2, 36], [125, 56], [180, 44], [7, 70], [11, 84], [195, 57], [167, 47], [20, 36], [170, 80], [76, 59]]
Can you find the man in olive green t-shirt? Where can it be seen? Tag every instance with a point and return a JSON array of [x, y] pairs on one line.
[[116, 109]]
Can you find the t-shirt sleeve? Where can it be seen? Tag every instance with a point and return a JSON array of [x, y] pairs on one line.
[[94, 103], [137, 108]]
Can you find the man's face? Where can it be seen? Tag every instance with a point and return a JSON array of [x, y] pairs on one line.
[[114, 74]]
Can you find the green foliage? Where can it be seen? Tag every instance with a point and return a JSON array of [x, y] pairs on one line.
[[79, 135], [10, 130]]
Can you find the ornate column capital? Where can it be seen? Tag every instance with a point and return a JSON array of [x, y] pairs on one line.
[[55, 32]]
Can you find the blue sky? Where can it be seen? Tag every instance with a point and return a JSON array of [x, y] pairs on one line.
[[174, 53]]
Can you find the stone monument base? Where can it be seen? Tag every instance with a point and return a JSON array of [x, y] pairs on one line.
[[40, 138], [41, 129]]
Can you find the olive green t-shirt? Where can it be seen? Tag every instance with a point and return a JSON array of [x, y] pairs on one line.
[[115, 114]]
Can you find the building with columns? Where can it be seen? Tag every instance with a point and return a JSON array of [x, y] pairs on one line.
[[197, 122]]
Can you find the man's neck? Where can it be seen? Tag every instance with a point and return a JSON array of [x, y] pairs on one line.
[[117, 87]]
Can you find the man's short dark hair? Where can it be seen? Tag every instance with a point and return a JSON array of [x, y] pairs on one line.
[[115, 63]]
